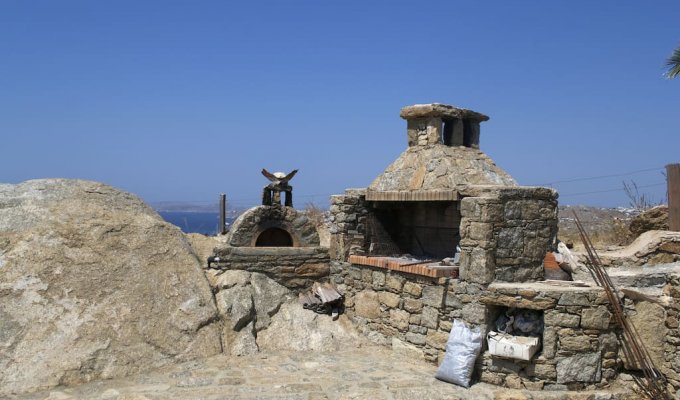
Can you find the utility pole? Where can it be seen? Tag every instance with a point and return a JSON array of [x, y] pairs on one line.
[[223, 214], [673, 176]]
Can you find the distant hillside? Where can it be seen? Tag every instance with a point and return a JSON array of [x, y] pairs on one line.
[[605, 226], [178, 206]]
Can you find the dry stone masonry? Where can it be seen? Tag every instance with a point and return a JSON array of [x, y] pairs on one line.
[[279, 242], [444, 198]]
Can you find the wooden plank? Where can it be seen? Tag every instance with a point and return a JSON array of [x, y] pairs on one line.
[[673, 176]]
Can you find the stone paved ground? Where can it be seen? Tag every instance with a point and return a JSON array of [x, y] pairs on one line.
[[360, 373]]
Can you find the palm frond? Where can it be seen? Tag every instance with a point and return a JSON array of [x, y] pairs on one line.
[[673, 64]]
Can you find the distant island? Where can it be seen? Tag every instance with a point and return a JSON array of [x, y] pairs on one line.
[[179, 206]]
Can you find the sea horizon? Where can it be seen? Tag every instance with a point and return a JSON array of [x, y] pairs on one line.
[[205, 223]]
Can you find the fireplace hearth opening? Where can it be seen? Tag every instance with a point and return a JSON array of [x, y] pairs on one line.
[[423, 230]]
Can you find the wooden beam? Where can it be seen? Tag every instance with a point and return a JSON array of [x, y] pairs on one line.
[[673, 176]]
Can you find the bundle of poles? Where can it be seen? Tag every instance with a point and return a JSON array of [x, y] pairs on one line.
[[653, 384]]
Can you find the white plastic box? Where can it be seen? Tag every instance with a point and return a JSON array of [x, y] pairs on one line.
[[515, 347]]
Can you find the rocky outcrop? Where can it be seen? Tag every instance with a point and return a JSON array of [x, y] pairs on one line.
[[203, 245], [654, 219], [297, 329], [650, 248], [260, 314], [246, 302], [94, 284]]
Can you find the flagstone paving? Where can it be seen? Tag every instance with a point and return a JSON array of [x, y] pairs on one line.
[[360, 373]]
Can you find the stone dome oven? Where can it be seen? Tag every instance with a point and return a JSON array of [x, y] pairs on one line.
[[273, 226], [278, 241]]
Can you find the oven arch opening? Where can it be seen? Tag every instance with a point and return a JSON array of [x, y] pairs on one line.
[[274, 237]]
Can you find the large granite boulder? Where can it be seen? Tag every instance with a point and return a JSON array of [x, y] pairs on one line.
[[94, 284]]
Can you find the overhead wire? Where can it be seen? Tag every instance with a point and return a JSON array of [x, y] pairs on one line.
[[611, 190], [253, 200], [590, 178]]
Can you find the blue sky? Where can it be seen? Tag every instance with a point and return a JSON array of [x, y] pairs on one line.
[[182, 100]]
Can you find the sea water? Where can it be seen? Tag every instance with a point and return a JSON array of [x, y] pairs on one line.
[[194, 222]]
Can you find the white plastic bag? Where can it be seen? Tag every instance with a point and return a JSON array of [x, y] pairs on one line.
[[462, 349]]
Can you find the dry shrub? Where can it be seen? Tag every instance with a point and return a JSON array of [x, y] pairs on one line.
[[315, 214]]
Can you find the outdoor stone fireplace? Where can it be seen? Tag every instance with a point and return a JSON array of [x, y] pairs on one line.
[[445, 234], [443, 198]]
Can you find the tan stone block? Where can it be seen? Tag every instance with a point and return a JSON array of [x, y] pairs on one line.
[[389, 299], [445, 325], [596, 318], [480, 231], [399, 319], [530, 385], [315, 270], [436, 339], [545, 371], [647, 321], [416, 182], [557, 318], [412, 288], [433, 295], [579, 343], [394, 282], [413, 305], [366, 304], [491, 378], [378, 279], [513, 382]]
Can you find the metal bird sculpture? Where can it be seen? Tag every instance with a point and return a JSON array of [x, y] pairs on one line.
[[271, 194], [279, 178]]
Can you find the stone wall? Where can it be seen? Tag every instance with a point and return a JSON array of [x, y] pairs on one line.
[[505, 233], [348, 224], [414, 315], [293, 267], [409, 312], [666, 354], [580, 346]]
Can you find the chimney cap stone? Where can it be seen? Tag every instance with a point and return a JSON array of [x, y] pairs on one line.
[[441, 111]]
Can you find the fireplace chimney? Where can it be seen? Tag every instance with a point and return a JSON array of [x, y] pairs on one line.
[[436, 123]]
